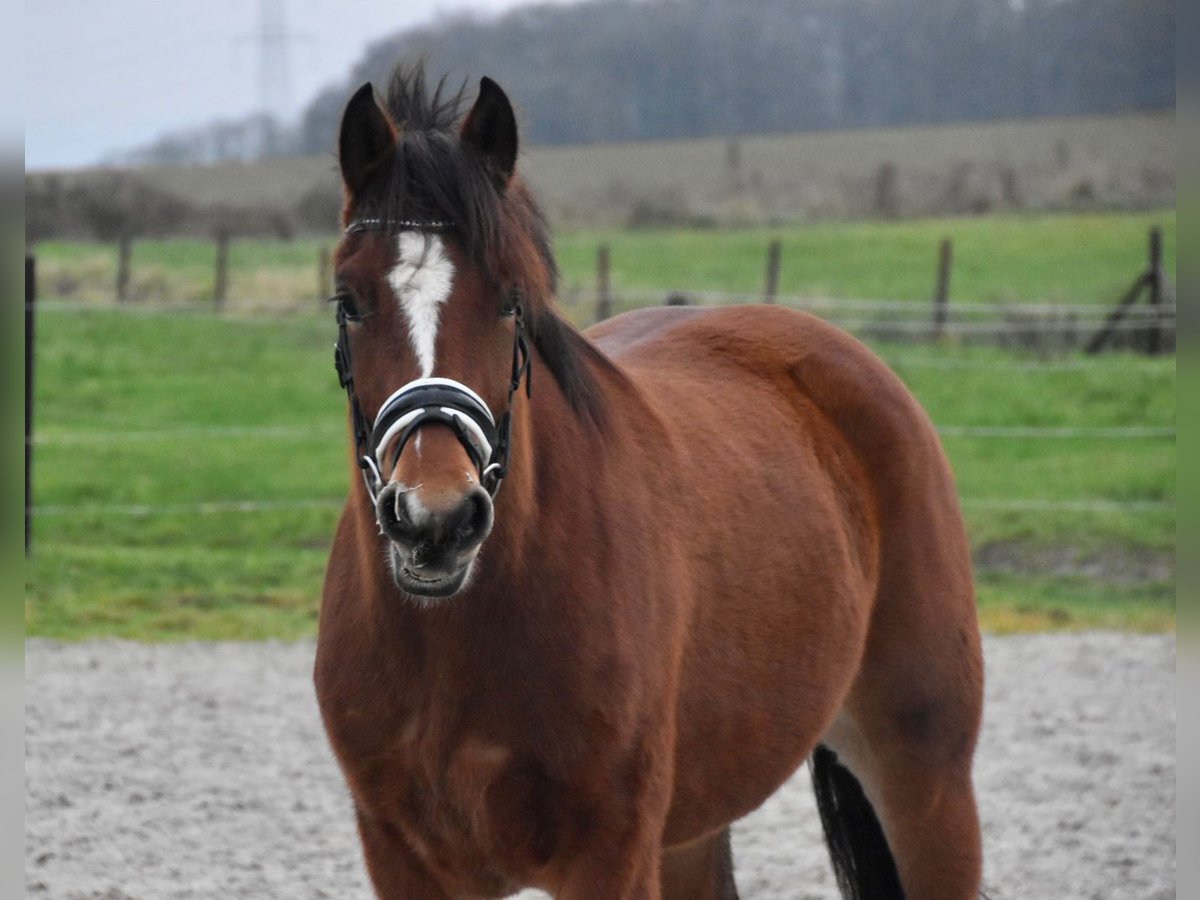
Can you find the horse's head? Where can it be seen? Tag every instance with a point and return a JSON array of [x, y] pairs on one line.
[[443, 270]]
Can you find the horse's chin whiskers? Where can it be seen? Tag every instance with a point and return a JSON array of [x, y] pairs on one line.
[[399, 568]]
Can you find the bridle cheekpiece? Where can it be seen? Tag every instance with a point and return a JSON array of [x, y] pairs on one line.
[[439, 400]]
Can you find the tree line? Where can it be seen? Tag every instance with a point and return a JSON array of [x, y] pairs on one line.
[[607, 70]]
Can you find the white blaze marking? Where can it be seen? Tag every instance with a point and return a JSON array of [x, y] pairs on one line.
[[422, 280]]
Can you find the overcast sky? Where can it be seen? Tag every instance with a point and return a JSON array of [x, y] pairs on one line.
[[102, 75]]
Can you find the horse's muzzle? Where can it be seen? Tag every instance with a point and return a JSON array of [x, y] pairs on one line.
[[433, 549]]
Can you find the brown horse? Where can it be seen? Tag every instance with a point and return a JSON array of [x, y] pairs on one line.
[[597, 597]]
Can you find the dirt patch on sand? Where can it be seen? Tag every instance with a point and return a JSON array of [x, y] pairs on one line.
[[1120, 564]]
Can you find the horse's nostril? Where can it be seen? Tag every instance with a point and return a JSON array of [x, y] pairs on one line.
[[471, 521], [391, 513], [477, 518]]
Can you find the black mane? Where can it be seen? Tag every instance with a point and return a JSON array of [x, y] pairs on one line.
[[435, 177]]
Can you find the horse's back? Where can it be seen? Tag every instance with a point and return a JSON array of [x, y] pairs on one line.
[[694, 346]]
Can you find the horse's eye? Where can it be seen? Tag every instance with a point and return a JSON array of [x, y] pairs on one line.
[[508, 308], [347, 305]]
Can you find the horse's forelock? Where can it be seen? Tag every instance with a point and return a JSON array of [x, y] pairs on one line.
[[434, 177], [414, 107]]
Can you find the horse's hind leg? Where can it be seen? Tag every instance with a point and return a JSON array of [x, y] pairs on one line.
[[701, 870], [930, 830], [907, 734]]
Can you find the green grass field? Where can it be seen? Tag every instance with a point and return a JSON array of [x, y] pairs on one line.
[[151, 426]]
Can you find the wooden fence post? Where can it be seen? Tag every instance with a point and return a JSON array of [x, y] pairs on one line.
[[941, 295], [124, 265], [774, 249], [30, 300], [1154, 340], [1108, 328], [603, 290], [221, 278]]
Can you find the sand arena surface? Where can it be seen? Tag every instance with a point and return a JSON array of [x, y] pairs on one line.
[[200, 770]]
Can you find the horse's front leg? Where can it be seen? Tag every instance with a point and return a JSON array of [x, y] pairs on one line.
[[619, 857], [618, 873], [396, 873]]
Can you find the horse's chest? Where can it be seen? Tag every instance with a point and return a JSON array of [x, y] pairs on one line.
[[477, 813]]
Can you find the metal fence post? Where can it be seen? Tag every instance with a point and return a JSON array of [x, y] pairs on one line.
[[30, 300]]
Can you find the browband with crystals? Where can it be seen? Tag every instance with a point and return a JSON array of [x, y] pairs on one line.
[[360, 225]]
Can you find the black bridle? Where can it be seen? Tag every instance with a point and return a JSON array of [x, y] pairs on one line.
[[426, 400]]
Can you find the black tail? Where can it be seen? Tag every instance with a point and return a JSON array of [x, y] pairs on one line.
[[862, 860]]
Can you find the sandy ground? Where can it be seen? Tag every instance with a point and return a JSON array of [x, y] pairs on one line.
[[201, 771]]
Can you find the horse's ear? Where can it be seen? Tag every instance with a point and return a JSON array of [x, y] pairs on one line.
[[366, 139], [491, 128]]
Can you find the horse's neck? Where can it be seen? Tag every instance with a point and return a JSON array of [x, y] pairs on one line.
[[554, 448]]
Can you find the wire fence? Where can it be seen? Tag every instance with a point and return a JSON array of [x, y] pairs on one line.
[[1069, 324], [293, 433], [1043, 315], [1044, 312], [204, 508], [223, 507], [1053, 327], [262, 432], [1037, 364]]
